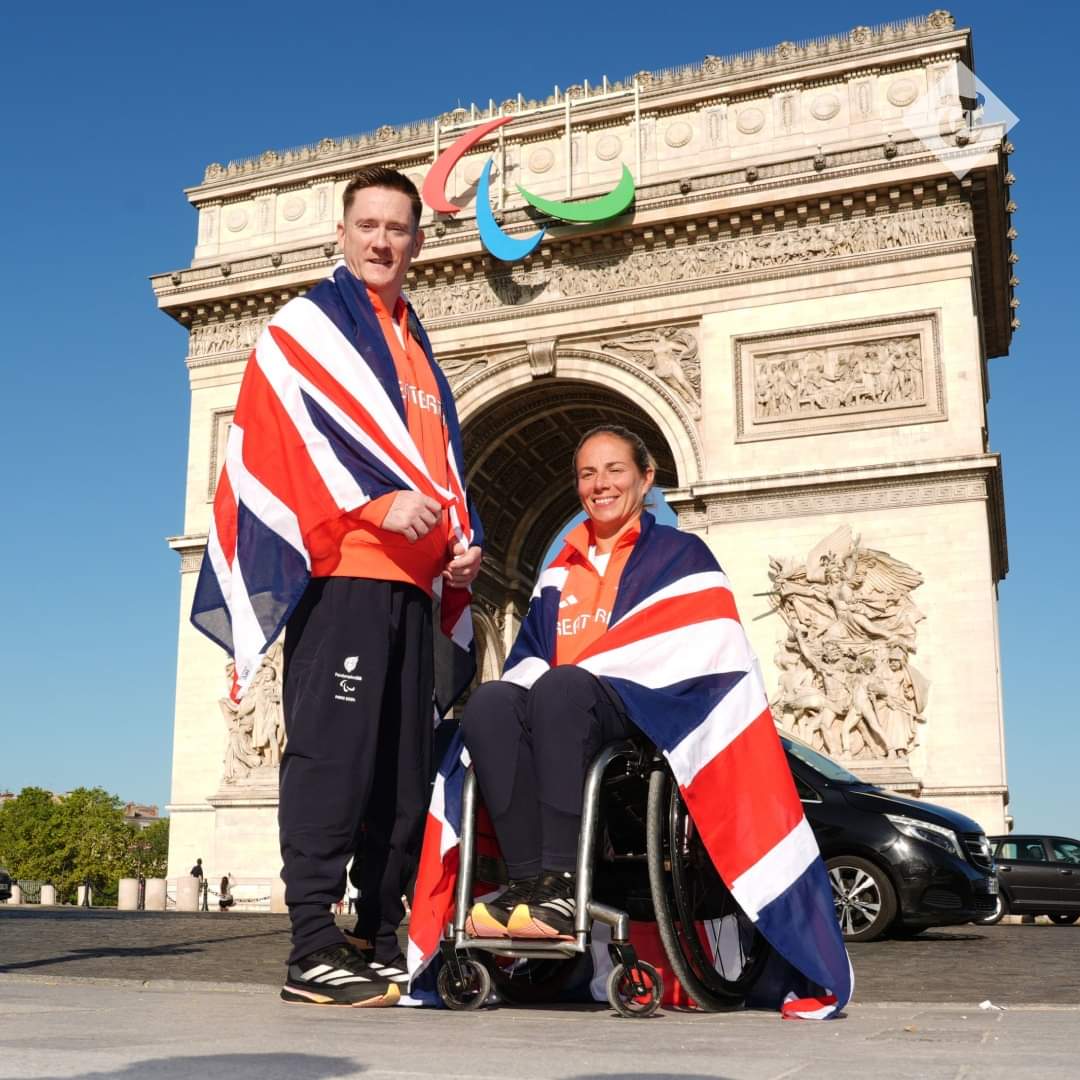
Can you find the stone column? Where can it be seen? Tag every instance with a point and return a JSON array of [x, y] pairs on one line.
[[81, 900], [16, 894], [155, 898], [48, 896], [187, 893], [127, 897]]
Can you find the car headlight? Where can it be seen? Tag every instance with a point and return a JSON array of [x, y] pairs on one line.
[[937, 835]]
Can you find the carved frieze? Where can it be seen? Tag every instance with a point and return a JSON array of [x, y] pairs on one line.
[[846, 682], [839, 379], [839, 376], [234, 335], [597, 278]]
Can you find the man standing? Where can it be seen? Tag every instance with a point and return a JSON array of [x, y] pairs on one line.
[[345, 446]]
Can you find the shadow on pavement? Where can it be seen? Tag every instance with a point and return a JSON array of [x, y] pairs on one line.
[[178, 948], [233, 1066]]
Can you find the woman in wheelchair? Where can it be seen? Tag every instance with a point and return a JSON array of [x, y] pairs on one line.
[[531, 746], [632, 628]]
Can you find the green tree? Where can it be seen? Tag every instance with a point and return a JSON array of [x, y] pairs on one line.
[[149, 852], [80, 837], [27, 834]]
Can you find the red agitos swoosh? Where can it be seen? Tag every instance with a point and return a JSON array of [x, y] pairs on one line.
[[434, 190]]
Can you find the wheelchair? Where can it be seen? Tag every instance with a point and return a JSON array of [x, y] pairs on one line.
[[639, 857]]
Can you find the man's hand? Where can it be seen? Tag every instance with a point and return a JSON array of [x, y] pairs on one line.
[[462, 569], [412, 514]]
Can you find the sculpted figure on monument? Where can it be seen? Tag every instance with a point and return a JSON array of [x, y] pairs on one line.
[[671, 352], [839, 378], [846, 682], [255, 725]]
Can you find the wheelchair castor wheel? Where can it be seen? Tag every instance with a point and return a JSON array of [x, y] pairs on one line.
[[473, 989], [635, 992]]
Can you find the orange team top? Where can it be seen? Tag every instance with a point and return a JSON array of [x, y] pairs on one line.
[[588, 594], [366, 550]]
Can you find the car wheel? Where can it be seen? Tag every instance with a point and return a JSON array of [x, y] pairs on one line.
[[1063, 918], [864, 897], [1001, 909]]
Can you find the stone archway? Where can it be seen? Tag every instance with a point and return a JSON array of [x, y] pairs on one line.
[[519, 447]]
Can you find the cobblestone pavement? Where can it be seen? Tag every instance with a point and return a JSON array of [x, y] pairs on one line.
[[1008, 964]]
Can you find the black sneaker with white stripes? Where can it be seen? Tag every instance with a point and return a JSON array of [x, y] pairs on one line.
[[394, 971], [550, 911], [337, 976]]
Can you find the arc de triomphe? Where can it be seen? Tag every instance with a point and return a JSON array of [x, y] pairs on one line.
[[797, 314]]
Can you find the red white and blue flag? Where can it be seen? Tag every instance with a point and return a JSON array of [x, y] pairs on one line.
[[679, 659], [319, 430]]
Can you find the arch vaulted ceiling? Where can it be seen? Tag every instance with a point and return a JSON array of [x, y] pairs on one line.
[[519, 450]]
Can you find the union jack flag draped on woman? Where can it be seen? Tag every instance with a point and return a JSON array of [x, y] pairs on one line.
[[679, 658], [319, 430]]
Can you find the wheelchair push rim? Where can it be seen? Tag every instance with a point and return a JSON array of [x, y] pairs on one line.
[[687, 891]]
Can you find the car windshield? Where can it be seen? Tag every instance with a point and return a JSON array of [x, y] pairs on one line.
[[818, 762]]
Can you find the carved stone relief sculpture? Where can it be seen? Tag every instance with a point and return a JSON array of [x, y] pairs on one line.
[[596, 278], [846, 682], [255, 726], [221, 337], [671, 353], [814, 382]]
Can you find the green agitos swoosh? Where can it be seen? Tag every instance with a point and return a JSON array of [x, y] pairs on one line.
[[607, 206]]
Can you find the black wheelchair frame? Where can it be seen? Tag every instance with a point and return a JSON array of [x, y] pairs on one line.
[[684, 889]]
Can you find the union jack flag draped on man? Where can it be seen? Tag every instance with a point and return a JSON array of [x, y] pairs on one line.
[[319, 430], [678, 657]]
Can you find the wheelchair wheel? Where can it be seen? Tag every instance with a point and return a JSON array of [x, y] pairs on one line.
[[688, 892], [472, 992], [624, 996]]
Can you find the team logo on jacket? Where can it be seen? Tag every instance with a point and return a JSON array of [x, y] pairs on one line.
[[350, 663]]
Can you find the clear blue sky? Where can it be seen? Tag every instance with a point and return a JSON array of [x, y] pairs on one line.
[[106, 116]]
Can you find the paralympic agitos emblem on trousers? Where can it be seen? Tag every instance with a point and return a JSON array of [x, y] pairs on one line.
[[498, 243]]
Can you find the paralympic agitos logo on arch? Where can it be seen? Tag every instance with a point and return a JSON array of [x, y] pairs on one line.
[[498, 243]]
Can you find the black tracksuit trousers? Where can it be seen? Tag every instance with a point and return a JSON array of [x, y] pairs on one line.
[[355, 777], [532, 750]]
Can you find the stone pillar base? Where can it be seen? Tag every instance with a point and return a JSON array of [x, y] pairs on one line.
[[48, 896], [187, 893], [127, 897], [155, 898]]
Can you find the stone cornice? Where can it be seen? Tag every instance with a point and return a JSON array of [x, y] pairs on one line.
[[190, 549], [725, 77], [853, 490], [448, 239]]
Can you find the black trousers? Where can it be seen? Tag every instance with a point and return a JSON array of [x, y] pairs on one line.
[[531, 750], [358, 682]]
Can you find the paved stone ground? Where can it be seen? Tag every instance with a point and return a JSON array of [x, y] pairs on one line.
[[53, 1028], [1018, 964]]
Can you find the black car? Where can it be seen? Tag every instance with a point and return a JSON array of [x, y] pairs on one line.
[[5, 885], [1037, 875], [895, 864]]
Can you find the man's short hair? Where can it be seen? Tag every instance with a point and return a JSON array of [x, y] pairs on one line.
[[385, 177]]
